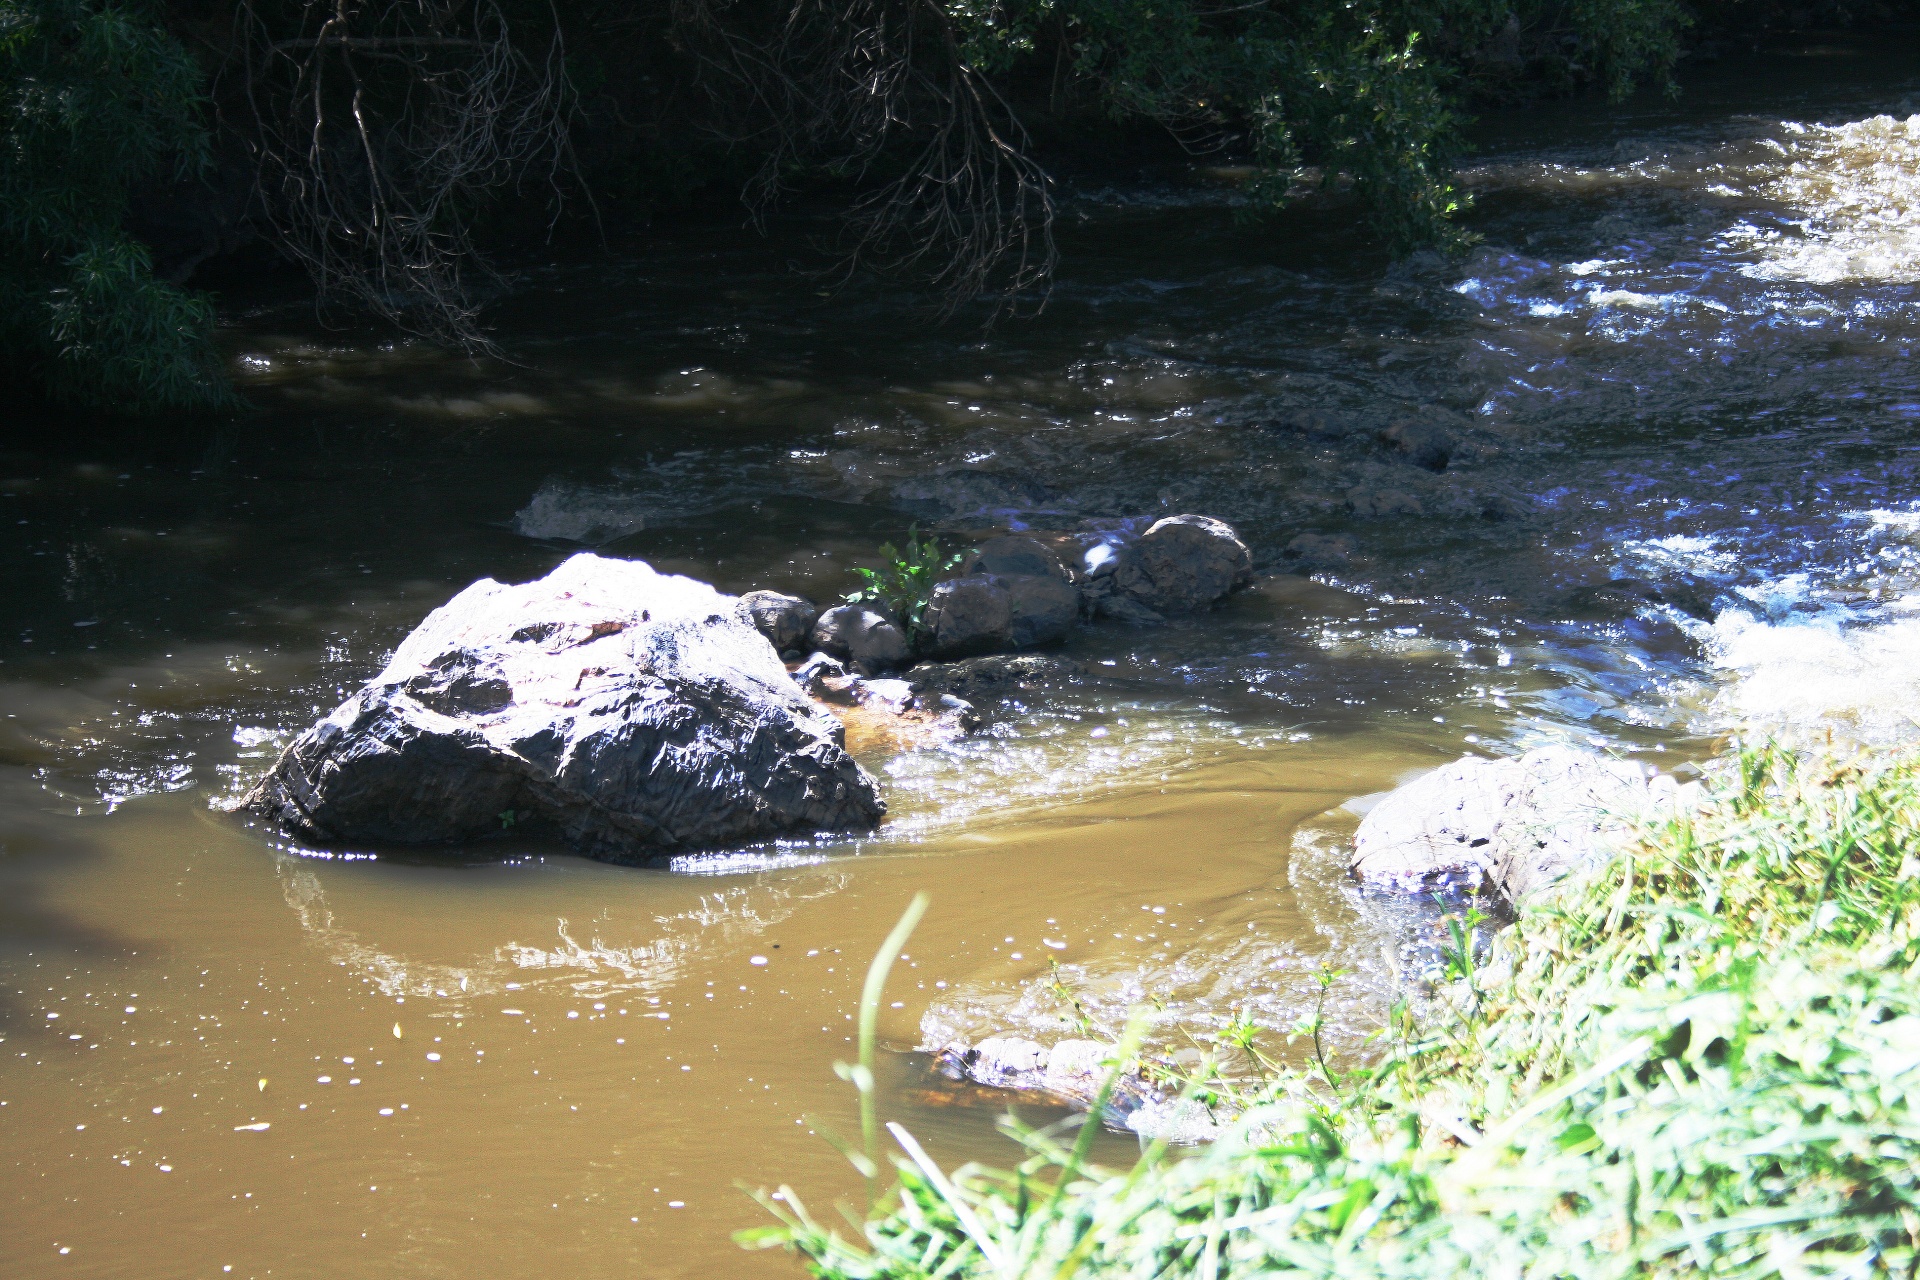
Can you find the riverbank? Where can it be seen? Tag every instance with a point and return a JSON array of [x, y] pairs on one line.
[[1696, 1059]]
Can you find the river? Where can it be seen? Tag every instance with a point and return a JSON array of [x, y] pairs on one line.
[[1683, 496]]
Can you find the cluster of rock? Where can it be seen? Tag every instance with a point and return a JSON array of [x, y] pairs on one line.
[[1022, 591], [625, 711], [1515, 826]]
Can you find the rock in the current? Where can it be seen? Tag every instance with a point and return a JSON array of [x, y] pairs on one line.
[[1319, 551], [1380, 504], [1074, 1072], [1015, 556], [1517, 825], [626, 711], [862, 637], [993, 677], [1045, 609], [966, 616], [786, 621], [1038, 582], [1184, 563], [962, 492]]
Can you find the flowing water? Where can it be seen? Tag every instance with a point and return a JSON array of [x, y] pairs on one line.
[[1683, 496]]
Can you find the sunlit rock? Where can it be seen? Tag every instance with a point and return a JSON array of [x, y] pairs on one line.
[[1181, 564], [1185, 563], [786, 621], [863, 637], [626, 711], [1514, 825], [883, 713]]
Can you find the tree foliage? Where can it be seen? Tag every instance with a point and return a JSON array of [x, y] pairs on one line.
[[93, 99]]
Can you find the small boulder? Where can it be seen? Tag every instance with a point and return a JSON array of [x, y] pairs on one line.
[[1045, 609], [1184, 563], [1038, 583], [786, 621], [1516, 825], [967, 616], [629, 712], [862, 637]]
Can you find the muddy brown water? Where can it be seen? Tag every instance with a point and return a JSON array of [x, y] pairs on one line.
[[1678, 378]]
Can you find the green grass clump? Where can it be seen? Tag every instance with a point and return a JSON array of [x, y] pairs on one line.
[[1702, 1058]]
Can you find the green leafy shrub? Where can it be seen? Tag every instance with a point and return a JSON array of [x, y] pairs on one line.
[[1701, 1059], [903, 584], [94, 98]]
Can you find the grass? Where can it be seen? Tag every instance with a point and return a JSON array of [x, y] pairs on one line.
[[1702, 1058]]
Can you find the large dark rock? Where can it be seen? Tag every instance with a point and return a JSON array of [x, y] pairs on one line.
[[629, 712], [863, 637], [1184, 563], [786, 621], [1045, 609], [967, 616], [1513, 825]]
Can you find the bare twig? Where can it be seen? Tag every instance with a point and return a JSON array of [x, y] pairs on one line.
[[380, 128]]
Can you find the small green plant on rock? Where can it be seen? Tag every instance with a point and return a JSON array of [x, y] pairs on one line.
[[903, 585]]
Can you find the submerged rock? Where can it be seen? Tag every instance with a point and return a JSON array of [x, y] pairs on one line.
[[1427, 445], [886, 713], [627, 711], [1370, 503], [1515, 825], [961, 492], [786, 621], [996, 676], [1073, 1072], [861, 635]]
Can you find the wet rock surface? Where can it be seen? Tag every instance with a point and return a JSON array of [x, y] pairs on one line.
[[1185, 563], [996, 677], [1073, 1072], [892, 712], [1180, 564], [1513, 825], [628, 712]]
